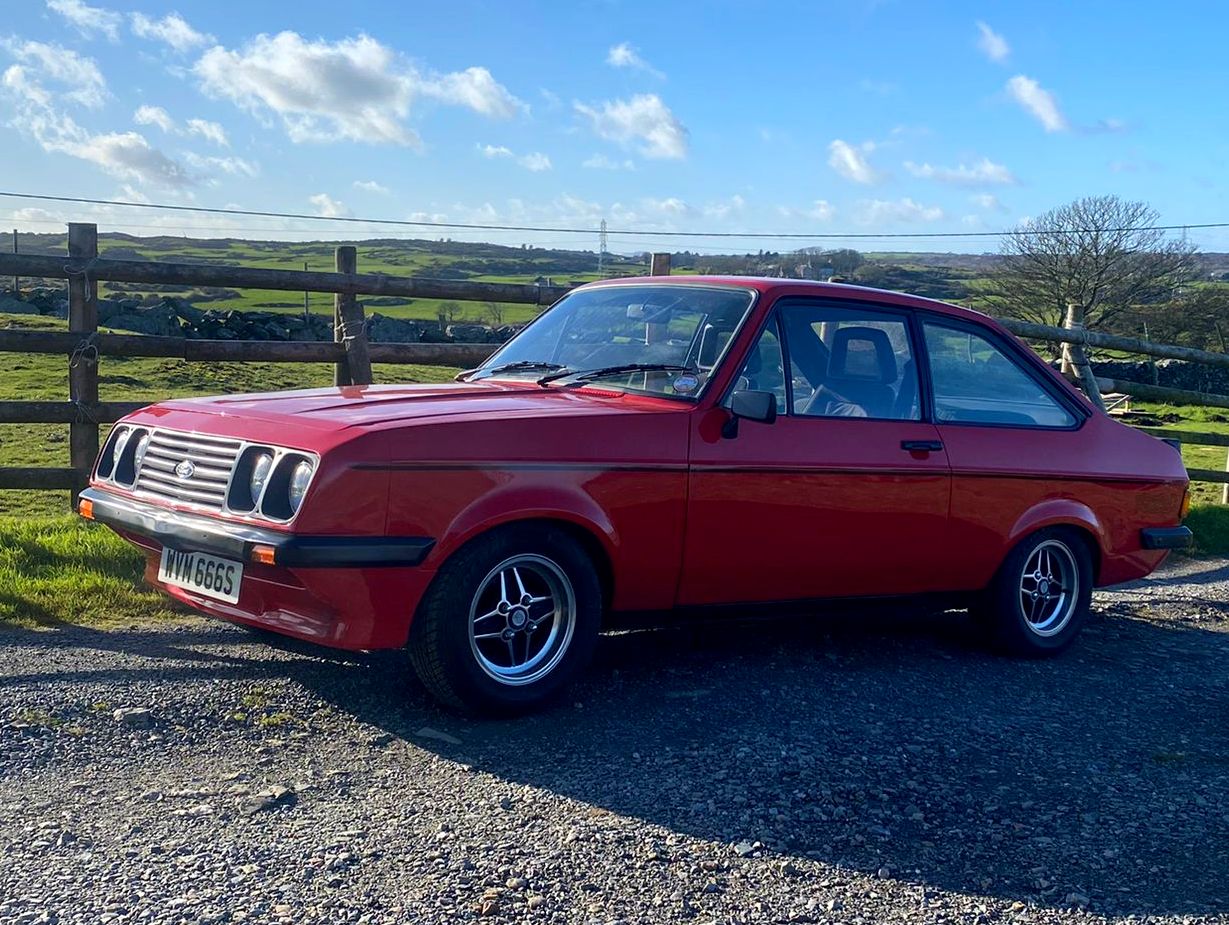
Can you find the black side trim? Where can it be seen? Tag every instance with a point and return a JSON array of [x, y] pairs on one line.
[[351, 551], [1166, 537], [189, 532]]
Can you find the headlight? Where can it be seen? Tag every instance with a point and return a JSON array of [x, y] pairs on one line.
[[260, 474], [138, 455], [117, 451], [299, 477]]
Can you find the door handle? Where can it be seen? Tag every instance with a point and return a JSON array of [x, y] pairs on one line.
[[922, 446]]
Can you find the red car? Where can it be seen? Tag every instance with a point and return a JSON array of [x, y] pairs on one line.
[[649, 445]]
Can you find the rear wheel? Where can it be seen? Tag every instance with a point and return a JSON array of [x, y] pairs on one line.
[[508, 621], [1039, 599]]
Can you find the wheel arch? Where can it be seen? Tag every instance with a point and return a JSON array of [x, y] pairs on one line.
[[595, 543], [1071, 514]]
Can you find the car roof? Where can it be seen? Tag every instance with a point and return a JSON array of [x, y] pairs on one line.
[[775, 287]]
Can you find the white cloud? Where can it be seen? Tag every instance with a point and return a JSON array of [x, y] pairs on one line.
[[602, 162], [1039, 102], [671, 205], [88, 19], [172, 29], [624, 56], [984, 172], [235, 166], [722, 210], [475, 89], [355, 89], [371, 186], [210, 131], [535, 161], [988, 201], [851, 162], [154, 115], [84, 82], [126, 155], [884, 211], [327, 206], [819, 211], [992, 45], [644, 121]]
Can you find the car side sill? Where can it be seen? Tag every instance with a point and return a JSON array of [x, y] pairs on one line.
[[190, 532]]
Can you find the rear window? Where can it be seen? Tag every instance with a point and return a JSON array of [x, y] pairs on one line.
[[977, 383]]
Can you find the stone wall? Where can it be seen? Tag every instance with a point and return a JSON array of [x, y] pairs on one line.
[[171, 317]]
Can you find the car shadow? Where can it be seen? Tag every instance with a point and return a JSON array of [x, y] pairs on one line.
[[891, 741]]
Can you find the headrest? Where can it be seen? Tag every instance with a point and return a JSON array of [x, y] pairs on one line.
[[871, 358]]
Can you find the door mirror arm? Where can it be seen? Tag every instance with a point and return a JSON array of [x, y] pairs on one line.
[[752, 405]]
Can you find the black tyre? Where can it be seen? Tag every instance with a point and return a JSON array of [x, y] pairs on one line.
[[1039, 598], [508, 621]]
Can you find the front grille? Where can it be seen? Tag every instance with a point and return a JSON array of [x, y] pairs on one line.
[[212, 460]]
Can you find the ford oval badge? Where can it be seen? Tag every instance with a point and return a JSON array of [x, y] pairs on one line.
[[185, 469]]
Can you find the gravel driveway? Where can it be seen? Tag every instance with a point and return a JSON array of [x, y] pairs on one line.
[[867, 769]]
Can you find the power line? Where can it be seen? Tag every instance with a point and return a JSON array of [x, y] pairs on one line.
[[643, 233]]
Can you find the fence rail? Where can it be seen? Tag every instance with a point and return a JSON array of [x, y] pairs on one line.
[[352, 355]]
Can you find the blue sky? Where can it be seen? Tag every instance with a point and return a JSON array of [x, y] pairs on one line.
[[821, 117]]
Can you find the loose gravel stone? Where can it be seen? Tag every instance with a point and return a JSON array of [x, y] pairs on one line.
[[856, 770]]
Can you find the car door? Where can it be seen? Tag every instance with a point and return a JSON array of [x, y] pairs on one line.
[[1014, 440], [845, 493]]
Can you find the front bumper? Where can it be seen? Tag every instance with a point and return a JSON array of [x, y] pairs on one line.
[[353, 593], [1166, 537], [241, 541]]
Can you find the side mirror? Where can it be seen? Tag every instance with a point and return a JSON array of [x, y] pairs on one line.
[[754, 406]]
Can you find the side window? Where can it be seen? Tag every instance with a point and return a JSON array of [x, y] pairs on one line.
[[976, 383], [850, 362], [764, 369]]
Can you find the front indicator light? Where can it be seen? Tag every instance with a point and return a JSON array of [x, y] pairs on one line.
[[265, 555], [299, 478], [86, 508], [1186, 504]]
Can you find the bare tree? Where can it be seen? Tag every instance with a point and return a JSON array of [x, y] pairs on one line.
[[1087, 262], [493, 314], [447, 313]]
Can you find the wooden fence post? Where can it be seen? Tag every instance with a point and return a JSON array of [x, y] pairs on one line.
[[16, 279], [350, 327], [1075, 359], [83, 363], [659, 265]]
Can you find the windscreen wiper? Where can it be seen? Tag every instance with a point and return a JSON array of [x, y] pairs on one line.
[[509, 367], [587, 375]]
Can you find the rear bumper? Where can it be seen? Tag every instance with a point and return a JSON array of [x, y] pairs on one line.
[[236, 541], [346, 592], [1166, 537]]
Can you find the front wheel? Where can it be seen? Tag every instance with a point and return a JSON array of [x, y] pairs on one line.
[[508, 621], [1040, 597]]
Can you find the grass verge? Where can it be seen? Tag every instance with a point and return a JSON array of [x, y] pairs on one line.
[[58, 570]]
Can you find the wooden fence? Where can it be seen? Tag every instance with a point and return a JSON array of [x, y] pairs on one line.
[[83, 345], [352, 354]]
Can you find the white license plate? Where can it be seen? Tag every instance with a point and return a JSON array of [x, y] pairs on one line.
[[207, 575]]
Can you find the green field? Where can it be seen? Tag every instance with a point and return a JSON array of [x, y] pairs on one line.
[[426, 259]]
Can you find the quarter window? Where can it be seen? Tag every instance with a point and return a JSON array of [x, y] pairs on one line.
[[764, 369], [976, 383]]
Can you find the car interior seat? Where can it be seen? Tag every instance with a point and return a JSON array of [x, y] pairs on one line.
[[861, 372]]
